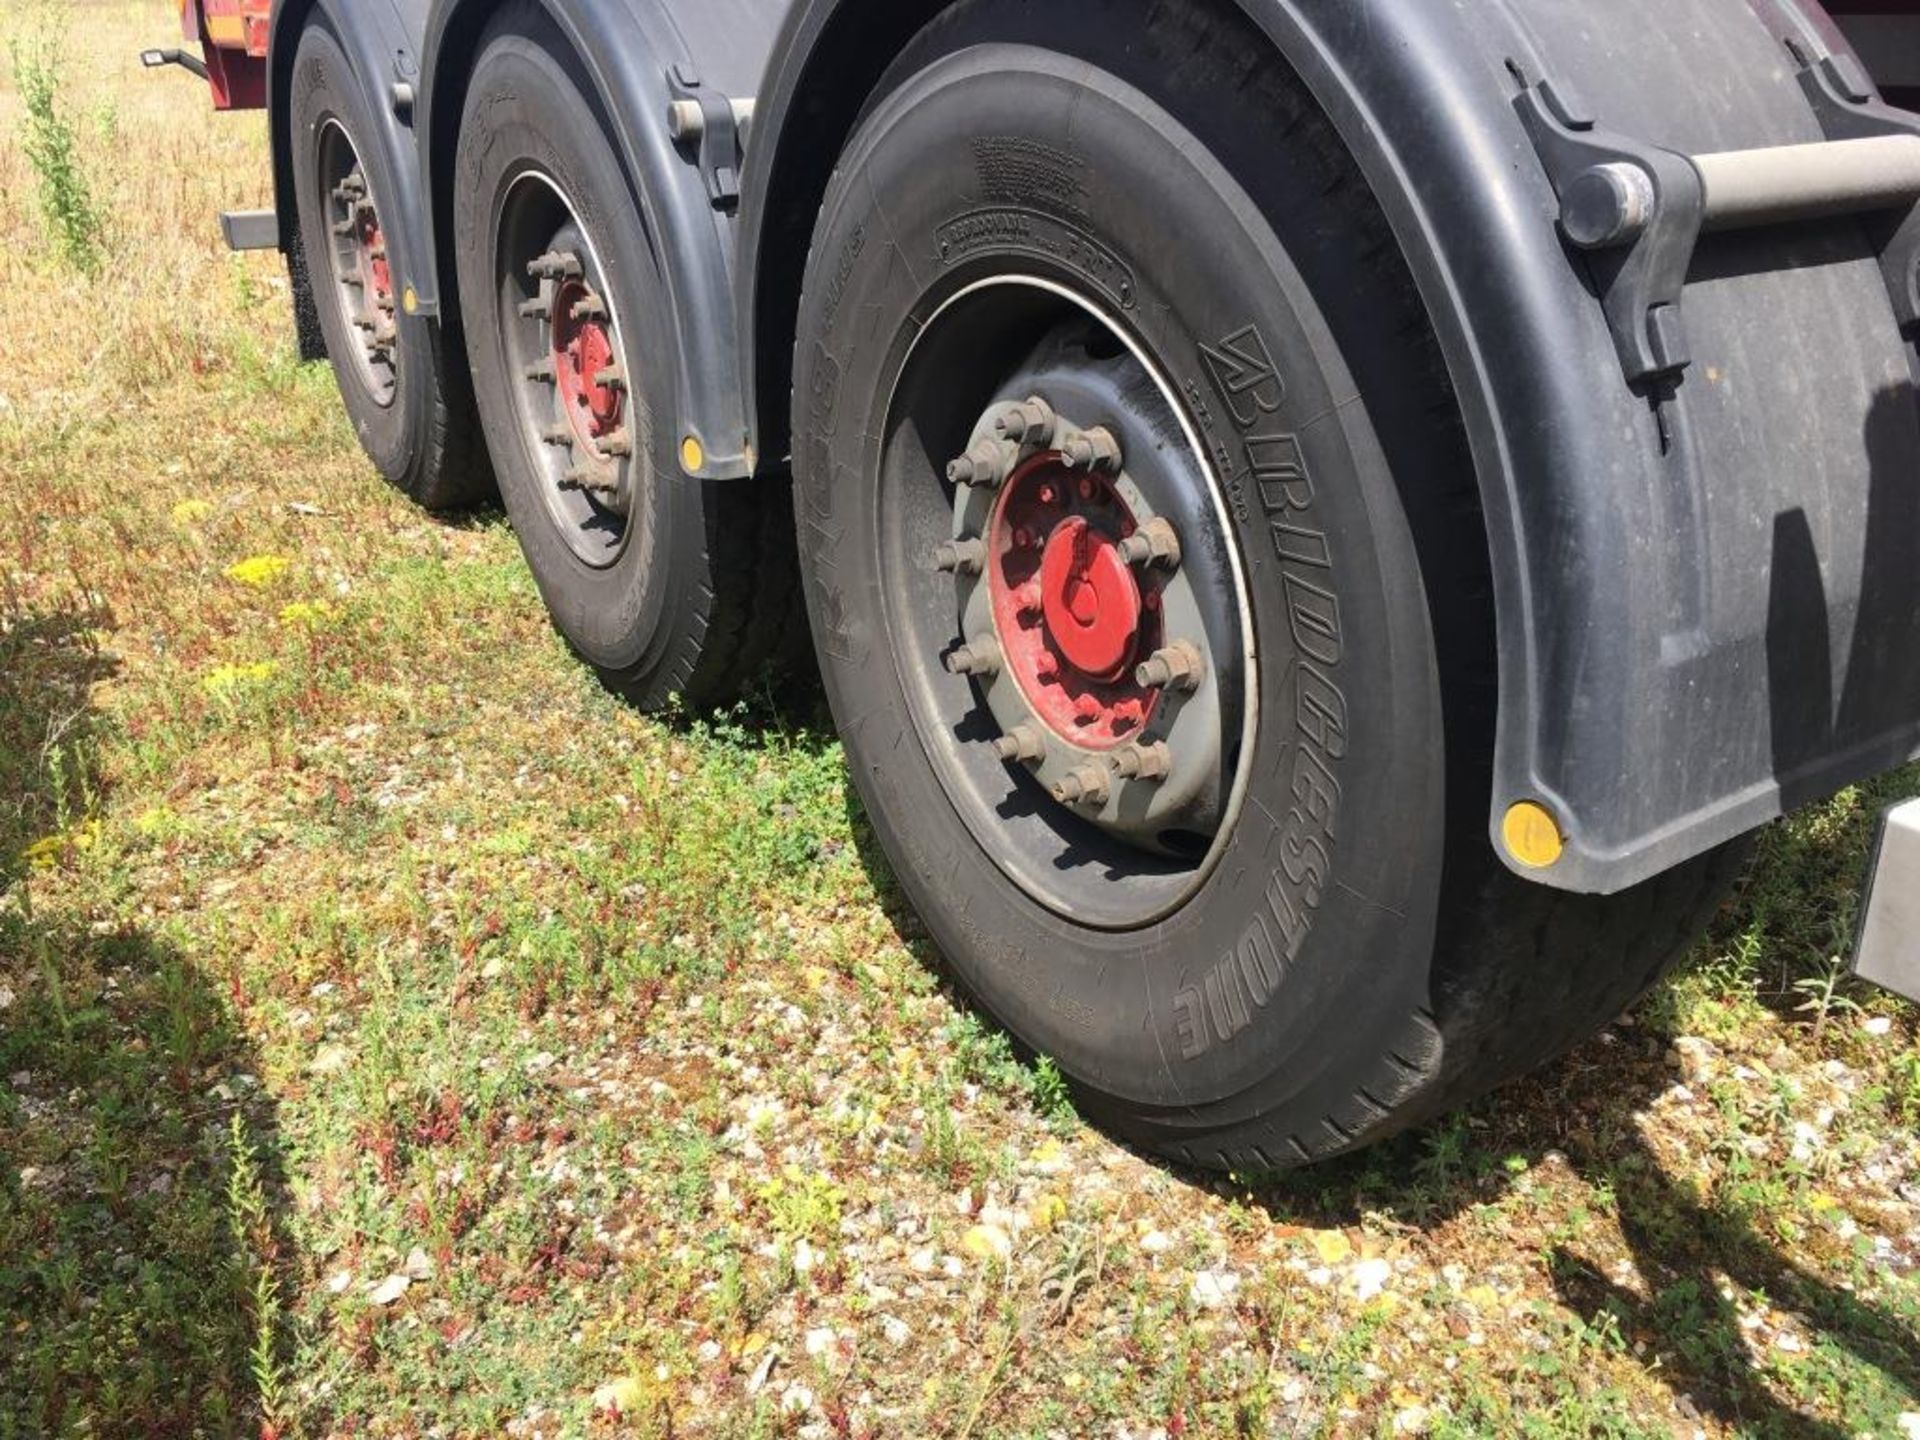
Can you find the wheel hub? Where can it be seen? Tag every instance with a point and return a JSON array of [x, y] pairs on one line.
[[1081, 628], [1071, 615], [362, 271], [583, 361], [566, 341]]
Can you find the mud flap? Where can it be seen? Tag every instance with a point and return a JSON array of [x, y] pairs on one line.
[[1888, 948]]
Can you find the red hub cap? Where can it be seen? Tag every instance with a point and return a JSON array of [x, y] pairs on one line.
[[582, 352], [1073, 617], [1091, 600], [373, 255]]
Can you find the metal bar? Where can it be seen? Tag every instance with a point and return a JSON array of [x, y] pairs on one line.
[[1746, 188], [250, 229]]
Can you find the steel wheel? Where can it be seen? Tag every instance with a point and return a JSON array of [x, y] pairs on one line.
[[1080, 622], [357, 263], [564, 342]]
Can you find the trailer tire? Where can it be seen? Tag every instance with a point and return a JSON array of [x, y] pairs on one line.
[[413, 410], [1350, 957], [692, 595]]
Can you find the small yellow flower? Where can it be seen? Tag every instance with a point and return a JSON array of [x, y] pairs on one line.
[[309, 613], [225, 679], [45, 854], [1046, 1212], [191, 512], [257, 572], [153, 822]]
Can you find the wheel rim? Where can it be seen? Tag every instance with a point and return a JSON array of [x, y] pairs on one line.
[[567, 364], [1074, 620], [358, 263]]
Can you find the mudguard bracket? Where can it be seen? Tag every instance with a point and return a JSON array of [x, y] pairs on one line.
[[706, 127], [1638, 211]]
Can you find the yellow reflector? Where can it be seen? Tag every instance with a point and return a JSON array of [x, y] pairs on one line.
[[410, 298], [1533, 836], [693, 458]]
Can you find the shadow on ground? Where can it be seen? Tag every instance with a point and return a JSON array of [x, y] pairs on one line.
[[139, 1164], [1584, 1111]]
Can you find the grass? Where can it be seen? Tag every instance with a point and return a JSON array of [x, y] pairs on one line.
[[400, 1037]]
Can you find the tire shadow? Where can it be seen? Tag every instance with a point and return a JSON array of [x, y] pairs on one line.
[[141, 1179], [1585, 1112]]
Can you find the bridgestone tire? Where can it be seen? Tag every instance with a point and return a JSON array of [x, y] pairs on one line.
[[426, 440], [1359, 959], [702, 599]]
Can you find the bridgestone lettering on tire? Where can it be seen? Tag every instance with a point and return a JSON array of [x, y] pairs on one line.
[[1135, 216]]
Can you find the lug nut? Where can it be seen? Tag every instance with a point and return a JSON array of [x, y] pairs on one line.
[[1086, 710], [614, 377], [960, 557], [979, 657], [1026, 423], [1178, 667], [541, 371], [1045, 666], [1029, 599], [1089, 786], [1024, 743], [1094, 449], [986, 465], [535, 309], [1143, 762], [555, 265], [591, 308], [1154, 543], [557, 435], [617, 445]]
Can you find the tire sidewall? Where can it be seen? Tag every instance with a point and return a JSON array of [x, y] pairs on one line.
[[636, 619], [1320, 911], [324, 88]]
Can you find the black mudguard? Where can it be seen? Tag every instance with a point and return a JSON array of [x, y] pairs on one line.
[[630, 50], [1708, 590], [382, 38]]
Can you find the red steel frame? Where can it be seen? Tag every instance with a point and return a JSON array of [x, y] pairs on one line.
[[233, 38]]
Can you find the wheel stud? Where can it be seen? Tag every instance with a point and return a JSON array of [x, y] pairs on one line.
[[1086, 711], [1178, 667], [1024, 743], [960, 557], [558, 435], [1089, 787], [1094, 449], [555, 265], [1026, 423], [986, 465], [979, 658], [1046, 667], [1154, 543], [1029, 598], [1143, 762]]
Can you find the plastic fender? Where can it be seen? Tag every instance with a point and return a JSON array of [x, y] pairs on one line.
[[1706, 601], [382, 38], [694, 241]]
